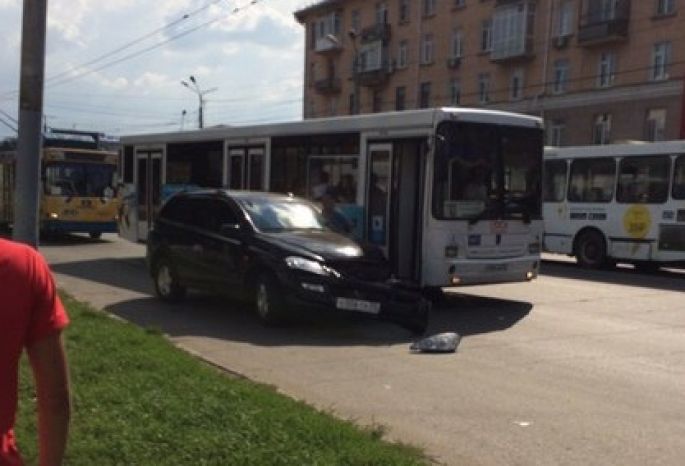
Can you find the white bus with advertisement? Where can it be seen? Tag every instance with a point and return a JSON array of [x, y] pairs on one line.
[[616, 203], [452, 196]]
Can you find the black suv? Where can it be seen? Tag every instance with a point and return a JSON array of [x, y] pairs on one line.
[[276, 251]]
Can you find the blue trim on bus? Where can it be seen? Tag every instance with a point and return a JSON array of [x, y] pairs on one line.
[[79, 227]]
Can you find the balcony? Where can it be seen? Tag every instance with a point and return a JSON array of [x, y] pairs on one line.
[[599, 24], [374, 76], [328, 45], [513, 50], [375, 33], [328, 85]]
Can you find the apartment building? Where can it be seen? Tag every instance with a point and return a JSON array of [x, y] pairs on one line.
[[597, 71]]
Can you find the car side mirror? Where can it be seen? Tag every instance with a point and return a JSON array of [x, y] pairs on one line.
[[231, 229]]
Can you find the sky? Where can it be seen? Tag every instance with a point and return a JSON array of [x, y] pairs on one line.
[[99, 76]]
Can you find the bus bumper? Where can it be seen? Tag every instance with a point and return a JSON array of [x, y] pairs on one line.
[[474, 271], [56, 226]]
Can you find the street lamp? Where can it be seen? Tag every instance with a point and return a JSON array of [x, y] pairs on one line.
[[183, 118], [200, 94]]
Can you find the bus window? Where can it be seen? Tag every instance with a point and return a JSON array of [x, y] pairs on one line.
[[679, 178], [643, 180], [336, 176], [592, 180], [555, 180]]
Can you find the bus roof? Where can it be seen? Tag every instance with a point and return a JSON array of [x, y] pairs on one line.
[[612, 150], [409, 119]]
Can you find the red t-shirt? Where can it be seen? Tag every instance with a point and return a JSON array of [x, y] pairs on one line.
[[30, 310]]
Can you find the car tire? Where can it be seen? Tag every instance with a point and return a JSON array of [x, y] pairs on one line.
[[95, 234], [167, 285], [267, 300], [591, 250]]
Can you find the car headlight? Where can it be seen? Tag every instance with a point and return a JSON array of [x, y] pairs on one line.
[[306, 265]]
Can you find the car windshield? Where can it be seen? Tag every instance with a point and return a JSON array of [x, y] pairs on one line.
[[275, 215]]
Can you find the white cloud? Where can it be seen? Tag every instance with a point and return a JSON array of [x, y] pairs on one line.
[[254, 58]]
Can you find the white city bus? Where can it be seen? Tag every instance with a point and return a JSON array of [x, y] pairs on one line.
[[452, 196], [619, 202]]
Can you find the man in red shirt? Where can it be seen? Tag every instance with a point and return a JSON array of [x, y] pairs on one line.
[[32, 317]]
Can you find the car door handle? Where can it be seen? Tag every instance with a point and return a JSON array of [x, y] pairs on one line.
[[197, 248]]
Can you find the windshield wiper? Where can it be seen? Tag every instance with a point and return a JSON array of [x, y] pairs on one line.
[[489, 210]]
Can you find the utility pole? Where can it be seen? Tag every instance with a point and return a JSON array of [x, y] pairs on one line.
[[200, 94], [30, 140]]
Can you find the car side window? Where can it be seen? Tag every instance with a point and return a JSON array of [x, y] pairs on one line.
[[177, 210], [210, 214]]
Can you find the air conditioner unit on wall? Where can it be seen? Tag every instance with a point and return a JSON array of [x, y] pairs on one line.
[[453, 62]]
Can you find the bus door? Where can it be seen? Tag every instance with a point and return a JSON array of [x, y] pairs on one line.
[[148, 187], [246, 168], [393, 203]]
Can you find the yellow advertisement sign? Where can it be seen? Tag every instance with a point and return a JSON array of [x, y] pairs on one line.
[[637, 221]]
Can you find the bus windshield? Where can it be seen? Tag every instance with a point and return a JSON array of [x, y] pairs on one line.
[[487, 172], [79, 179]]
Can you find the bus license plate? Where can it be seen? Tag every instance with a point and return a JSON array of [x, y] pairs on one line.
[[496, 267], [359, 305]]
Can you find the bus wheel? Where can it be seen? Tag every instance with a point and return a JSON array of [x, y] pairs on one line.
[[267, 305], [167, 286], [95, 234], [591, 250]]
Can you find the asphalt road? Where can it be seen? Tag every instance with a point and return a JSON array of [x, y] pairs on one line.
[[575, 368]]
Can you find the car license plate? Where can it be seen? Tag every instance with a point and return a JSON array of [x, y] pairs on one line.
[[359, 305], [496, 267]]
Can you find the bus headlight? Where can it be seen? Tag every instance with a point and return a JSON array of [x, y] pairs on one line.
[[451, 251]]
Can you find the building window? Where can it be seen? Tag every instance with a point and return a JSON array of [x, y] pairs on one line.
[[665, 7], [377, 101], [352, 104], [400, 98], [607, 70], [555, 133], [655, 125], [355, 23], [370, 56], [427, 49], [457, 44], [565, 19], [454, 92], [561, 71], [459, 3], [428, 7], [404, 11], [425, 95], [486, 36], [601, 131], [661, 58], [516, 85], [510, 27], [483, 88], [402, 55], [381, 13], [600, 11]]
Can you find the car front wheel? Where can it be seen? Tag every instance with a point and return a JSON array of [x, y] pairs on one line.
[[167, 286], [267, 305]]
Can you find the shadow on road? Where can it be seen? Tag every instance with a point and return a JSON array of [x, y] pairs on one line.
[[225, 319], [127, 273], [222, 318], [660, 280]]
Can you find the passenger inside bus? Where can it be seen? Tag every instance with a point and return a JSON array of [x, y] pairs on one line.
[[333, 218]]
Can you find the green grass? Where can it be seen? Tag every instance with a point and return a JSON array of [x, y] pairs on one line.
[[138, 400]]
